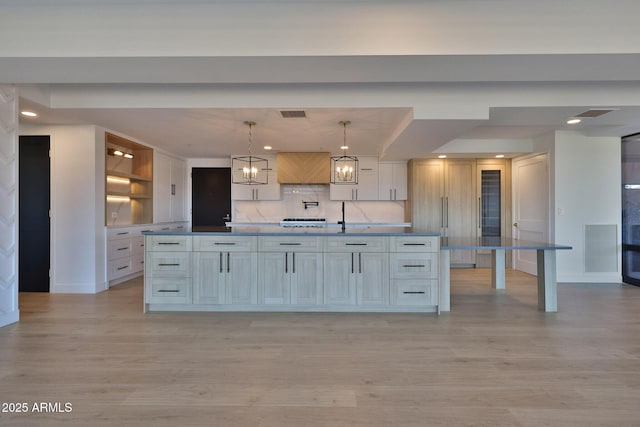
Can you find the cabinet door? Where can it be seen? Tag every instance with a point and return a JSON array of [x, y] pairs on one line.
[[373, 278], [342, 192], [209, 279], [427, 195], [162, 187], [367, 188], [242, 277], [461, 206], [306, 278], [392, 181], [339, 278], [273, 281], [178, 190]]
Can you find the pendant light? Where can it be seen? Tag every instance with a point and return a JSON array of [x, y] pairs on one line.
[[249, 170], [344, 169]]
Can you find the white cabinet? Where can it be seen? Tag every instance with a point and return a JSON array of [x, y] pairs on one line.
[[356, 271], [225, 270], [125, 253], [290, 270], [169, 188], [392, 181], [367, 187], [269, 191]]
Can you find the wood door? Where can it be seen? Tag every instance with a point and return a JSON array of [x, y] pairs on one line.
[[306, 278], [211, 196], [530, 207], [209, 279], [426, 195], [339, 278], [373, 278], [242, 277], [461, 206], [273, 280], [34, 222]]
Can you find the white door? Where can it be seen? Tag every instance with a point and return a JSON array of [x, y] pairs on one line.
[[530, 207]]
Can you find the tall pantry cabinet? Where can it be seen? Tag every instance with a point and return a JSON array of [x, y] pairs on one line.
[[445, 197], [169, 188]]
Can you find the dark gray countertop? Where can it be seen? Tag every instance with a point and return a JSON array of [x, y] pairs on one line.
[[294, 231], [450, 243]]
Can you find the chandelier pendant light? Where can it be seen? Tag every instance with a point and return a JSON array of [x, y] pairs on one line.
[[344, 169], [250, 170]]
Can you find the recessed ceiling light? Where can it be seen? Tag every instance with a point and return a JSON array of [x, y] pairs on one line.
[[268, 147], [573, 121], [442, 156], [344, 147], [28, 113], [499, 156]]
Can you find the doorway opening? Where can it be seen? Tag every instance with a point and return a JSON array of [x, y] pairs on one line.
[[210, 197], [34, 230]]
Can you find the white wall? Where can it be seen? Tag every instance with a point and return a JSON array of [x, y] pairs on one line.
[[587, 191], [77, 207]]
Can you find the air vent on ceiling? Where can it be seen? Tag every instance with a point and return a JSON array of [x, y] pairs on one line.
[[293, 114], [595, 112]]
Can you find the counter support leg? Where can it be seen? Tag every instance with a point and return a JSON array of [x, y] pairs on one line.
[[497, 269], [444, 291], [547, 284]]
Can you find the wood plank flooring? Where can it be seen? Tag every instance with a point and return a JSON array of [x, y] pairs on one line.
[[495, 360]]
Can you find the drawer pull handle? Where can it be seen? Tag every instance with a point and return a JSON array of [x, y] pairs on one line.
[[166, 228], [413, 292], [414, 265], [146, 231], [356, 244], [169, 265], [122, 268], [224, 243], [168, 243], [168, 290], [290, 244], [123, 249], [414, 244], [123, 233]]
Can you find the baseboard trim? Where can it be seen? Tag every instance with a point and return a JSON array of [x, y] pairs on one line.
[[78, 288]]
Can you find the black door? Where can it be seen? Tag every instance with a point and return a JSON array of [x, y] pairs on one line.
[[211, 196], [34, 228]]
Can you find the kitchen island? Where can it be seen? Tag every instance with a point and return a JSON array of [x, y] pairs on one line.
[[378, 269]]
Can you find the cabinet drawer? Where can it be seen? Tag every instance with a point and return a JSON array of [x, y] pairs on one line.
[[168, 243], [119, 233], [120, 248], [414, 292], [138, 246], [120, 268], [357, 244], [225, 243], [290, 244], [414, 265], [415, 243], [168, 290], [168, 264]]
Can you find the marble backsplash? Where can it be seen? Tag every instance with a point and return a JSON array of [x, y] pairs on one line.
[[292, 206]]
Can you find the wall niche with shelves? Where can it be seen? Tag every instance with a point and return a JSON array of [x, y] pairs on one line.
[[129, 182]]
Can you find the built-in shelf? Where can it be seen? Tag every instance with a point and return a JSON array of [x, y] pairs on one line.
[[128, 182]]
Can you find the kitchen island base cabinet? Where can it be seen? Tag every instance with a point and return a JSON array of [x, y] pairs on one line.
[[292, 272]]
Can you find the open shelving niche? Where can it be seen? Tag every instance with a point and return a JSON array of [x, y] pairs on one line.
[[128, 182]]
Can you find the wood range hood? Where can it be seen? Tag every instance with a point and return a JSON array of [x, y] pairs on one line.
[[304, 168]]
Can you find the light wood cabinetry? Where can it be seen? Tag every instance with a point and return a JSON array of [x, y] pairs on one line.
[[392, 181], [170, 188], [367, 187], [128, 182], [356, 271], [290, 270], [269, 191], [168, 269], [446, 196], [225, 270], [304, 168], [414, 270]]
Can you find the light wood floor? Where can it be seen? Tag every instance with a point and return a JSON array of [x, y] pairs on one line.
[[495, 360]]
